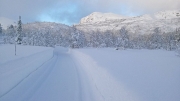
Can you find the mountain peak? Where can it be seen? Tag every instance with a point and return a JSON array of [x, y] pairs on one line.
[[100, 17], [167, 21]]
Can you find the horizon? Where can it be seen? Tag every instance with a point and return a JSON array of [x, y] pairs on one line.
[[9, 22], [70, 12]]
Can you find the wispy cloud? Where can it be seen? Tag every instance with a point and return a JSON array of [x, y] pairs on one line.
[[71, 11]]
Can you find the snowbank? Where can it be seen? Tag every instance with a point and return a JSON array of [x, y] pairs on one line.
[[139, 75]]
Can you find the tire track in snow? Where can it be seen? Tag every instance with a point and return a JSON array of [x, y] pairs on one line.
[[43, 77], [79, 81], [27, 75], [20, 62], [23, 58], [60, 64], [63, 83]]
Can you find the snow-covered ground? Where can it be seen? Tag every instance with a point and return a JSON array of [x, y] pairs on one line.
[[60, 74], [7, 52], [133, 75]]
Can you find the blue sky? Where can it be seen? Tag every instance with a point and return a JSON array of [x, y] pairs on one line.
[[71, 11]]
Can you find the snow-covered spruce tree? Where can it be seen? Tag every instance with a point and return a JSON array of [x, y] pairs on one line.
[[122, 38], [138, 42], [94, 39], [77, 39], [101, 38], [168, 41], [156, 39], [58, 39], [10, 34], [19, 31], [178, 35], [108, 39], [0, 29], [82, 40], [1, 35], [48, 39], [178, 40]]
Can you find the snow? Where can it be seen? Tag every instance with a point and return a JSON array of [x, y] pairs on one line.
[[145, 75], [14, 69], [7, 52], [98, 17], [167, 21], [61, 74], [5, 22], [170, 14]]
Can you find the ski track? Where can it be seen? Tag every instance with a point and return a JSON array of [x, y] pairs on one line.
[[68, 75], [57, 79], [12, 73]]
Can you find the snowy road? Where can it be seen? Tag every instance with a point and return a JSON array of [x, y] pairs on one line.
[[62, 74], [56, 80]]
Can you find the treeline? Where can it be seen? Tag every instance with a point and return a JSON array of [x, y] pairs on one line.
[[124, 39], [71, 37]]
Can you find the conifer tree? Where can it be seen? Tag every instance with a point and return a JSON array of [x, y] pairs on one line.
[[19, 31], [0, 29], [18, 38]]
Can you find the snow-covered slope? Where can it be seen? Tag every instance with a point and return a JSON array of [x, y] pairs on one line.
[[167, 14], [100, 17], [7, 52], [132, 75], [61, 74], [167, 21]]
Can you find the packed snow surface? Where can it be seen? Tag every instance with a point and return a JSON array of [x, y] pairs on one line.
[[61, 74]]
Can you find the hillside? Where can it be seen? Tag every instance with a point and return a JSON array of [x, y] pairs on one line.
[[46, 26], [167, 21]]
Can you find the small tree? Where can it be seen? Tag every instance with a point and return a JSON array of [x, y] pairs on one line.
[[178, 39], [18, 37], [77, 39], [178, 35], [0, 29], [19, 31], [122, 38], [11, 31]]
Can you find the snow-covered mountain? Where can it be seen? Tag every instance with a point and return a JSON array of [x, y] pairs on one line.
[[166, 21], [100, 17], [167, 14]]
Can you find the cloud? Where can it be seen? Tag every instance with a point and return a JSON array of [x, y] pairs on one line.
[[152, 6], [71, 11]]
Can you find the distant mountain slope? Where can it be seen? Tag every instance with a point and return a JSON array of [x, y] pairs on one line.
[[46, 26], [6, 22], [168, 14], [99, 17], [167, 21]]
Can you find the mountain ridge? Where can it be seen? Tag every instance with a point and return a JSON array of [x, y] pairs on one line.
[[166, 21], [98, 16]]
